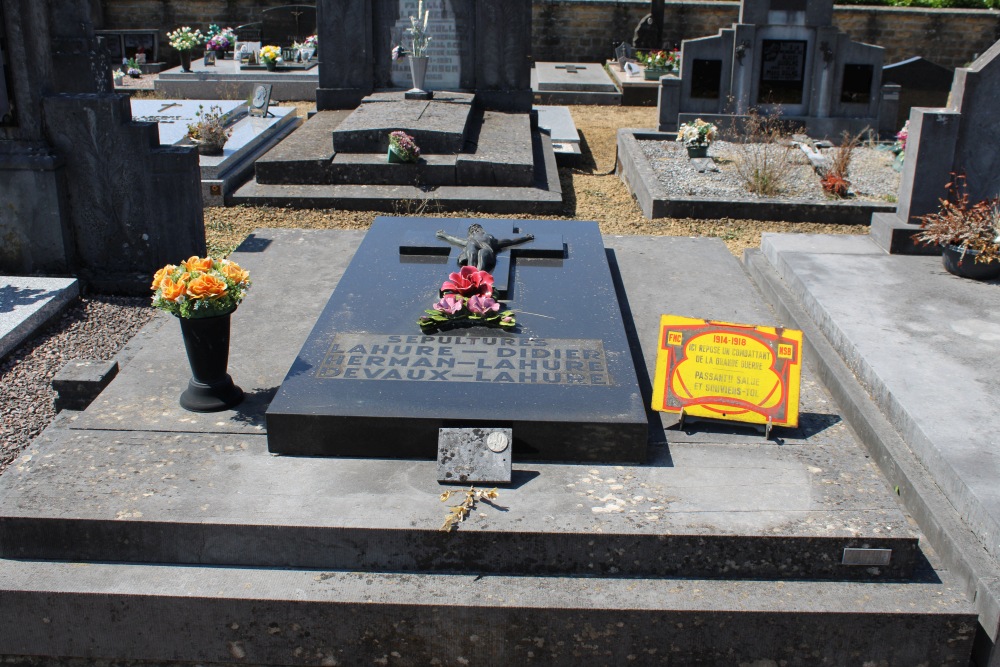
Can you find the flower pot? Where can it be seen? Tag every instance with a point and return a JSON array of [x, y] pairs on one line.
[[418, 72], [185, 60], [207, 148], [654, 73], [697, 151], [395, 157], [967, 266], [271, 65], [211, 388]]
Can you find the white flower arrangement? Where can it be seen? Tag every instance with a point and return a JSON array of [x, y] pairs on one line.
[[698, 133]]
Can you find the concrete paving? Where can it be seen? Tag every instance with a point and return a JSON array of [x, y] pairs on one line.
[[28, 303], [739, 540], [920, 341]]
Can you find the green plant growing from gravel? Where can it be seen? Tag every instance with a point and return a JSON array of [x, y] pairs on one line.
[[763, 152]]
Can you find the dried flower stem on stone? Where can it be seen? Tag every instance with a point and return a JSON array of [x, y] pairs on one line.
[[458, 513]]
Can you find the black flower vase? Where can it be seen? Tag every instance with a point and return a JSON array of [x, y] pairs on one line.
[[185, 60], [211, 388]]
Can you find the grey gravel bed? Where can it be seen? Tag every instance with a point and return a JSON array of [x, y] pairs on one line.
[[870, 173], [94, 327]]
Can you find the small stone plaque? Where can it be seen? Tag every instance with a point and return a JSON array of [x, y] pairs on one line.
[[474, 455], [869, 557]]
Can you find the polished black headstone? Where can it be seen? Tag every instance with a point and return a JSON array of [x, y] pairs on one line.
[[368, 383]]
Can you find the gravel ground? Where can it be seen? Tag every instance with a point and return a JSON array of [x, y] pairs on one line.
[[870, 173], [97, 327]]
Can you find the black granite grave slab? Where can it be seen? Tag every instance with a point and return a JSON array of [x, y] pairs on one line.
[[368, 383], [437, 125]]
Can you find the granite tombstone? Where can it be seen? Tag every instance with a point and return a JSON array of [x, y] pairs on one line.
[[286, 25], [368, 382]]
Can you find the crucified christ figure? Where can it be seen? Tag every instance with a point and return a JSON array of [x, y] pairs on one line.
[[481, 248]]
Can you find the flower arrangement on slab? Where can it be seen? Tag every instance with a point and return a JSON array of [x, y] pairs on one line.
[[200, 287], [220, 39], [270, 54], [209, 131], [661, 60], [467, 300], [698, 134], [970, 230], [185, 39], [402, 147]]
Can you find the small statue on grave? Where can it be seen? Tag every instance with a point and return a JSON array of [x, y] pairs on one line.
[[481, 248]]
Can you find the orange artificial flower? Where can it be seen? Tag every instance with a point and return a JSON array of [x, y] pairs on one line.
[[160, 275], [172, 290], [195, 263], [206, 286], [234, 272]]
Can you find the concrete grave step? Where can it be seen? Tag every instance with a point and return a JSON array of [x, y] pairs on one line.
[[27, 303], [720, 511], [254, 616], [498, 152], [438, 125], [542, 195]]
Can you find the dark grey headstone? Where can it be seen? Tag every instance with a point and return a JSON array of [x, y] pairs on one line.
[[919, 74], [368, 383], [283, 26]]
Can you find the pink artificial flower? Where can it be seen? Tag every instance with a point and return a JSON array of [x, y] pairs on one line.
[[449, 304], [481, 305], [469, 281]]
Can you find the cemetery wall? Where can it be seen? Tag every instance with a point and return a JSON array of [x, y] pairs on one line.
[[584, 30]]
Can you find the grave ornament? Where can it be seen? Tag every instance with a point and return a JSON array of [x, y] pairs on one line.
[[481, 247]]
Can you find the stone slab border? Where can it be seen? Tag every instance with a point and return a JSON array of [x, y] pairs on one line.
[[635, 170]]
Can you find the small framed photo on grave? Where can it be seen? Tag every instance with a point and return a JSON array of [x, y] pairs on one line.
[[261, 100]]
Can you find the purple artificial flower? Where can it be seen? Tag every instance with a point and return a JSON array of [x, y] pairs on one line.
[[481, 305], [450, 304]]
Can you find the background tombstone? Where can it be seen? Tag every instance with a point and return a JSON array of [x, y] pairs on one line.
[[783, 54], [960, 138], [492, 50], [85, 189], [283, 26], [922, 84]]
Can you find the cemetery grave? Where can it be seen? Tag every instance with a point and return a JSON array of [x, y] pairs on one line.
[[305, 524], [251, 137], [722, 535]]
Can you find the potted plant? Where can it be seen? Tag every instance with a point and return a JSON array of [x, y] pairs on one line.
[[202, 293], [658, 63], [402, 148], [118, 76], [270, 55], [419, 39], [969, 235], [209, 132], [697, 137], [132, 68]]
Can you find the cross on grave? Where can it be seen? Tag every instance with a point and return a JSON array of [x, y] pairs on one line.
[[169, 105], [424, 243], [571, 69]]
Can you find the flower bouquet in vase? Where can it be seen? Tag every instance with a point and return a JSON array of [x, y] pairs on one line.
[[697, 137], [184, 40], [202, 293]]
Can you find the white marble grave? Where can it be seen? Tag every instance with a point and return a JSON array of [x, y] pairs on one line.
[[251, 137]]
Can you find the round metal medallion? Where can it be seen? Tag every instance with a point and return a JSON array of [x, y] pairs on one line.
[[497, 442]]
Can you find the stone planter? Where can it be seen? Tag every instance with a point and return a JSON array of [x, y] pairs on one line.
[[271, 65], [654, 73], [967, 266]]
